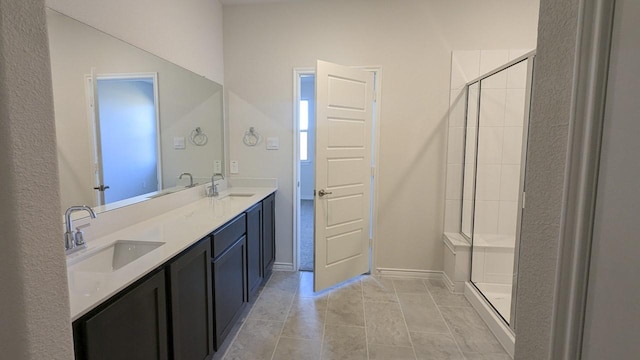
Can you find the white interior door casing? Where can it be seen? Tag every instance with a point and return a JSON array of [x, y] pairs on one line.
[[344, 107]]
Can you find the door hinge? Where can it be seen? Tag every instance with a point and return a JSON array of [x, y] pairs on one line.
[[314, 192], [373, 171], [524, 198], [375, 95]]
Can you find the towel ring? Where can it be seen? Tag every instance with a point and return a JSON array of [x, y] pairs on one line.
[[251, 137], [198, 137]]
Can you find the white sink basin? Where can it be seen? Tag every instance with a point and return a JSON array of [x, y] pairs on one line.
[[119, 254]]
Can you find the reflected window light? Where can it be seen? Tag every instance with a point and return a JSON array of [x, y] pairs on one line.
[[303, 118]]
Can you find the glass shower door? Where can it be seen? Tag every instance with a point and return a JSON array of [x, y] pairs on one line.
[[493, 181]]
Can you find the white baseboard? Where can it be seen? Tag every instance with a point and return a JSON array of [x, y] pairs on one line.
[[283, 266], [502, 332], [414, 273], [456, 287], [450, 284]]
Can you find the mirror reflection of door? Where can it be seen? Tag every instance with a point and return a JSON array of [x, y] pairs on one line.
[[127, 138]]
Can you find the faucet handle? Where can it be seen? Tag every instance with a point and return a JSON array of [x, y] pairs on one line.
[[79, 235]]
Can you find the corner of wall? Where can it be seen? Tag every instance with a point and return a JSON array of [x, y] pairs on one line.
[[35, 304], [545, 173]]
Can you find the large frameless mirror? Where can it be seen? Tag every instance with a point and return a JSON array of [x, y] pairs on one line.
[[129, 124]]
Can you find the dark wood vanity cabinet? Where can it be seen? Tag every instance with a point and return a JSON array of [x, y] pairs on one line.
[[132, 325], [186, 308], [268, 234], [168, 315], [229, 276], [255, 270], [239, 269], [191, 303]]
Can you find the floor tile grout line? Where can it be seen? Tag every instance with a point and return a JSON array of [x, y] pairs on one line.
[[404, 318], [324, 325], [445, 321], [284, 323], [364, 318]]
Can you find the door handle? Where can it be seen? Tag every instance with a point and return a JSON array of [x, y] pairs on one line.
[[322, 192], [101, 188]]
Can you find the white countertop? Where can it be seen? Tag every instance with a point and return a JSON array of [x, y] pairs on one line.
[[178, 229]]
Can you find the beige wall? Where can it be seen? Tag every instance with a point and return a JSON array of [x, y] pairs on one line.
[[34, 316], [186, 32], [412, 40]]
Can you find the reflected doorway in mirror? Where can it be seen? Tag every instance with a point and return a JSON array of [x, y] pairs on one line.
[[123, 109]]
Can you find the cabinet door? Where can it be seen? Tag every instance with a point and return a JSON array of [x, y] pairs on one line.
[[132, 327], [229, 288], [191, 304], [268, 233], [254, 249]]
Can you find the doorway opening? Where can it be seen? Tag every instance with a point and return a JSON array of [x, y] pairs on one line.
[[306, 166], [126, 135]]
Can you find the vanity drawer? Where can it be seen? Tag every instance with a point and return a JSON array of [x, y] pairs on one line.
[[228, 234]]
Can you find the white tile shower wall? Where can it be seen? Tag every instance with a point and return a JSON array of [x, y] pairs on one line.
[[454, 182], [500, 141], [465, 65], [455, 147], [507, 219], [509, 182], [498, 265], [514, 108], [452, 218], [488, 182], [490, 60], [457, 104]]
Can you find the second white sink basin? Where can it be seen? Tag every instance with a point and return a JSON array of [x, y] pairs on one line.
[[119, 254]]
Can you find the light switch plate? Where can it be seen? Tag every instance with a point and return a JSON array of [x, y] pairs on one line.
[[179, 143], [217, 167], [234, 167], [273, 143]]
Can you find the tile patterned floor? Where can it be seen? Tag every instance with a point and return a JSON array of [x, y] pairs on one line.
[[366, 318]]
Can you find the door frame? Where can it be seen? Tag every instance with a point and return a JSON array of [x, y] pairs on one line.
[[91, 86], [377, 83], [586, 124]]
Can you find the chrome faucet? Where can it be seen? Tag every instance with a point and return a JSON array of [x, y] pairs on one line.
[[74, 240], [214, 186], [191, 184]]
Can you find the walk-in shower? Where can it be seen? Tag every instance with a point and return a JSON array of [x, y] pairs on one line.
[[495, 141]]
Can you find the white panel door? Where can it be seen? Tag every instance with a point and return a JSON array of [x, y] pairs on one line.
[[344, 107]]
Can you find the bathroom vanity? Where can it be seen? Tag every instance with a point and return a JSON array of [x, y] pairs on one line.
[[166, 272], [189, 275]]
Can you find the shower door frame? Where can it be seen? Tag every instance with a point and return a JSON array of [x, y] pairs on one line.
[[530, 58]]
